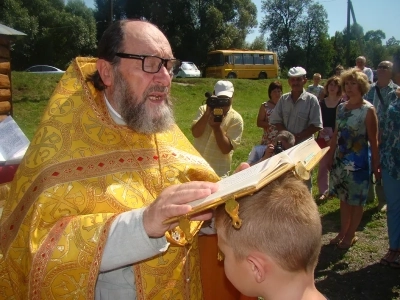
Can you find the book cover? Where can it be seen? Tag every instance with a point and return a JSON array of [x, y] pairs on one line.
[[301, 158]]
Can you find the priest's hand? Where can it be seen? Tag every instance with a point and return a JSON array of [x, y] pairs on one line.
[[172, 202]]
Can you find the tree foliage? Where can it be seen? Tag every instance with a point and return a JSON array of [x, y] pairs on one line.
[[56, 32], [259, 43], [297, 29], [282, 20], [193, 27]]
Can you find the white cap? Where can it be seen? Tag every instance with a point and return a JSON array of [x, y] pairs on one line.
[[297, 72], [224, 88]]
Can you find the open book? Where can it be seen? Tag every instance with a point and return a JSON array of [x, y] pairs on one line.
[[301, 158], [13, 142]]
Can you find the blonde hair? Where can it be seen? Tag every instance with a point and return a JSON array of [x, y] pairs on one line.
[[362, 58], [337, 81], [357, 75], [339, 68], [317, 75], [281, 220]]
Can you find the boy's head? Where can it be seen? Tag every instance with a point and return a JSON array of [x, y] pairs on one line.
[[286, 138], [281, 227], [316, 78], [338, 70]]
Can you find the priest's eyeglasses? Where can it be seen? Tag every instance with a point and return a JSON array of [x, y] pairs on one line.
[[152, 64]]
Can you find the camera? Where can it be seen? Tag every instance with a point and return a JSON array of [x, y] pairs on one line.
[[216, 104], [278, 148]]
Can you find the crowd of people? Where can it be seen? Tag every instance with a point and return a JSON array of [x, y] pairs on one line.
[[359, 123], [85, 214]]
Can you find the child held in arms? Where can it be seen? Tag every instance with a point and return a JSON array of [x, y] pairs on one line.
[[274, 253]]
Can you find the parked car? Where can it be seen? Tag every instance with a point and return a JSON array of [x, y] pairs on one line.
[[43, 69], [187, 69]]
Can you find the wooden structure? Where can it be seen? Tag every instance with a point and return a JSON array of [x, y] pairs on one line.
[[7, 35]]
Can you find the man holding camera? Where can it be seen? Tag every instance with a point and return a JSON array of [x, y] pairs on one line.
[[218, 128], [283, 141]]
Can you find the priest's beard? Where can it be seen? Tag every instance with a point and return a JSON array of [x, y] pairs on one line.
[[137, 115]]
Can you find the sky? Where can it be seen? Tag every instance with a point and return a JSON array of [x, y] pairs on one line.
[[370, 14]]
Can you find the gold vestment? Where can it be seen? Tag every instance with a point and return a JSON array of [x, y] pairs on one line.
[[80, 171]]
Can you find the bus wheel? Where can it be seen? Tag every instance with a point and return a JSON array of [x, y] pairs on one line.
[[231, 75], [262, 75]]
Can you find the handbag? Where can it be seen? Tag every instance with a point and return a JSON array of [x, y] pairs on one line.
[[322, 142]]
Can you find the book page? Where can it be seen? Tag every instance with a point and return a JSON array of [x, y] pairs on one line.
[[17, 157], [12, 139], [304, 152], [243, 179]]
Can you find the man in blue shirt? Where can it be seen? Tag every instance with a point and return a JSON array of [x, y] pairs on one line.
[[381, 94]]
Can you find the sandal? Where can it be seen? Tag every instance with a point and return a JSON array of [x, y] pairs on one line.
[[389, 257], [396, 262], [345, 246], [323, 197], [335, 240]]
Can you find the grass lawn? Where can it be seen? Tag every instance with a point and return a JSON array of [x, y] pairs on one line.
[[352, 274]]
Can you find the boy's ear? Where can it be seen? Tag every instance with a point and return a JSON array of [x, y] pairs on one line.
[[258, 264], [105, 70]]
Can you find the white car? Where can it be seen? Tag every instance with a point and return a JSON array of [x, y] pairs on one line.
[[44, 69], [186, 70]]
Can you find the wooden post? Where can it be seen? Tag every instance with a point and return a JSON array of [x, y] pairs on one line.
[[5, 78]]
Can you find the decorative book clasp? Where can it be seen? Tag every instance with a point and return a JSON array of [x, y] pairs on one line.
[[232, 208], [301, 172], [184, 225]]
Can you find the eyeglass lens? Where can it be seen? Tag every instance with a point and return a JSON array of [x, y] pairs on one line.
[[383, 67], [152, 64]]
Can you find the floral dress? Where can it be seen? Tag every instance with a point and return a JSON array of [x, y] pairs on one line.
[[269, 134], [350, 175]]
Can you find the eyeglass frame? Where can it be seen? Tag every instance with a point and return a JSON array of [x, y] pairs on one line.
[[142, 57], [384, 67]]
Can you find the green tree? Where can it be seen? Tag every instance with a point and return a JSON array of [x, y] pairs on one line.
[[392, 42], [282, 21], [13, 14], [259, 43], [193, 27], [375, 36], [55, 33], [322, 57], [295, 28], [314, 29]]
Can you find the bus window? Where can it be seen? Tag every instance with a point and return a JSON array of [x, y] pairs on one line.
[[238, 59], [248, 59], [214, 60], [229, 59], [269, 59], [258, 59]]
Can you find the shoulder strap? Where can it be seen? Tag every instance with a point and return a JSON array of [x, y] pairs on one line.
[[378, 91]]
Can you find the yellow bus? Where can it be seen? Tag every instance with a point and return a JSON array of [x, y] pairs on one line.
[[236, 63]]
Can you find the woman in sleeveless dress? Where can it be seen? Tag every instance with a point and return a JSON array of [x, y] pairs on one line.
[[333, 92], [266, 109], [356, 126]]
